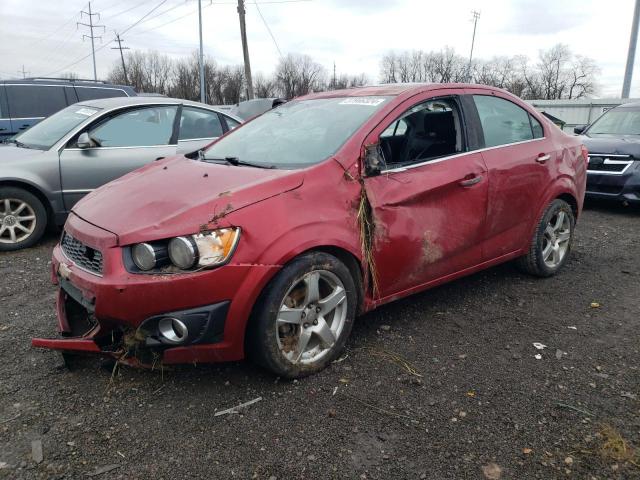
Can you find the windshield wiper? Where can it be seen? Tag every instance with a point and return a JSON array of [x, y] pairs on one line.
[[235, 161]]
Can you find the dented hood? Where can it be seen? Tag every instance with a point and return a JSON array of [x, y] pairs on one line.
[[175, 196]]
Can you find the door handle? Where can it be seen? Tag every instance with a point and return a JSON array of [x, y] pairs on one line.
[[471, 181], [159, 158], [543, 157]]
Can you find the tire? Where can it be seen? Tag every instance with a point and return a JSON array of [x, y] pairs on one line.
[[552, 241], [294, 332], [14, 203]]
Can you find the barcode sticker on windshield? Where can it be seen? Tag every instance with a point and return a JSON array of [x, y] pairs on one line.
[[368, 101], [85, 111]]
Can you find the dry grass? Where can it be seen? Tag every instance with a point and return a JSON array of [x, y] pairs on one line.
[[367, 227], [615, 447], [394, 358]]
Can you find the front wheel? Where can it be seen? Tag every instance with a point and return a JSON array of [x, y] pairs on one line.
[[551, 242], [304, 317], [23, 219]]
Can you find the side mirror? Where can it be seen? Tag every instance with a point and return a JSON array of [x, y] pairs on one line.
[[579, 130], [83, 140], [374, 161]]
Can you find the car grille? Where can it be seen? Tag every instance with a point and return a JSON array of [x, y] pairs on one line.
[[83, 256], [615, 165]]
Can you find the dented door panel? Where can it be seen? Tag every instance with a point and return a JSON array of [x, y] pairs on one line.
[[427, 223]]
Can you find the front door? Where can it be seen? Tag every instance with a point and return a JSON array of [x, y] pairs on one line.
[[119, 144], [429, 203]]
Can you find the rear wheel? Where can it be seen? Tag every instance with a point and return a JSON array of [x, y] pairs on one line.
[[23, 219], [551, 242], [304, 317]]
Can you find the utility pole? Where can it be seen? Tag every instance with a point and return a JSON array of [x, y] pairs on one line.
[[121, 48], [334, 74], [201, 56], [475, 16], [631, 54], [91, 36], [245, 50], [24, 74]]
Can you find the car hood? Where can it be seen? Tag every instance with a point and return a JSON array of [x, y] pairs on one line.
[[10, 154], [178, 196], [613, 144]]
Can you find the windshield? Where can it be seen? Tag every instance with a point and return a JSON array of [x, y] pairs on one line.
[[618, 121], [297, 134], [43, 135]]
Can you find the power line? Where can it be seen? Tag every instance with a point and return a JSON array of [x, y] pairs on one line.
[[74, 63], [49, 35], [24, 74], [268, 29], [111, 17], [91, 35]]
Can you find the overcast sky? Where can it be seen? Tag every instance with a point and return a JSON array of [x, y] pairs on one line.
[[42, 34]]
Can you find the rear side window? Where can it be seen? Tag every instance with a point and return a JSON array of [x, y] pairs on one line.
[[197, 123], [538, 132], [28, 101], [231, 123], [503, 122], [91, 93]]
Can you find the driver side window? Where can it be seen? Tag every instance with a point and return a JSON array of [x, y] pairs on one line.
[[141, 127], [426, 131]]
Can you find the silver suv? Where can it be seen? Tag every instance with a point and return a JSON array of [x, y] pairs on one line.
[[45, 170]]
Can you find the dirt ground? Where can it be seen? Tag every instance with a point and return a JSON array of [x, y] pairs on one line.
[[442, 385]]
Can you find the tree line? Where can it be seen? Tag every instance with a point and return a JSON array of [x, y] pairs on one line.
[[557, 73]]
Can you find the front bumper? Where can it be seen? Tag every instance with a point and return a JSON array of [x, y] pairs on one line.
[[114, 314], [620, 187]]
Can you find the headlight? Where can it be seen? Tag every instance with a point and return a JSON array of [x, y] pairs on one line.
[[215, 248], [146, 256], [203, 250], [182, 252]]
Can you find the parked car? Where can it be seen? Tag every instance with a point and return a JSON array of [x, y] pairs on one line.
[[329, 206], [613, 141], [45, 170], [24, 103]]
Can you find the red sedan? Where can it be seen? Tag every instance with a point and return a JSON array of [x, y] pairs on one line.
[[271, 241]]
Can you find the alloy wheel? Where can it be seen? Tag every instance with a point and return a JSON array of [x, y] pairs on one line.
[[557, 236], [17, 220], [311, 317]]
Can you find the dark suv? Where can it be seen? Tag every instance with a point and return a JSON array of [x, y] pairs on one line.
[[24, 103], [613, 141]]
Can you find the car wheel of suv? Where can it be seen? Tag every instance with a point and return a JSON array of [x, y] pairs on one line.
[[23, 219], [304, 317], [551, 241]]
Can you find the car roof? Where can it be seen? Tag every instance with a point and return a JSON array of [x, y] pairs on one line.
[[117, 102], [395, 89], [629, 105], [63, 82]]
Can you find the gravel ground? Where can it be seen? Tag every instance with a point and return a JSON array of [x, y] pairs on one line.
[[482, 406]]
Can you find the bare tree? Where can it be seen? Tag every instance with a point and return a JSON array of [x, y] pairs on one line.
[[264, 87], [298, 75], [557, 74]]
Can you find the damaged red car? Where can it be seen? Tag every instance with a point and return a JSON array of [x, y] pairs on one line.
[[271, 241]]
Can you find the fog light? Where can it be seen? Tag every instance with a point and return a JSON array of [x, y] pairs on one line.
[[173, 330]]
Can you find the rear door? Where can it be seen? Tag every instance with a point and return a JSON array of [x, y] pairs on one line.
[[198, 127], [518, 157], [121, 142], [30, 103], [429, 204]]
